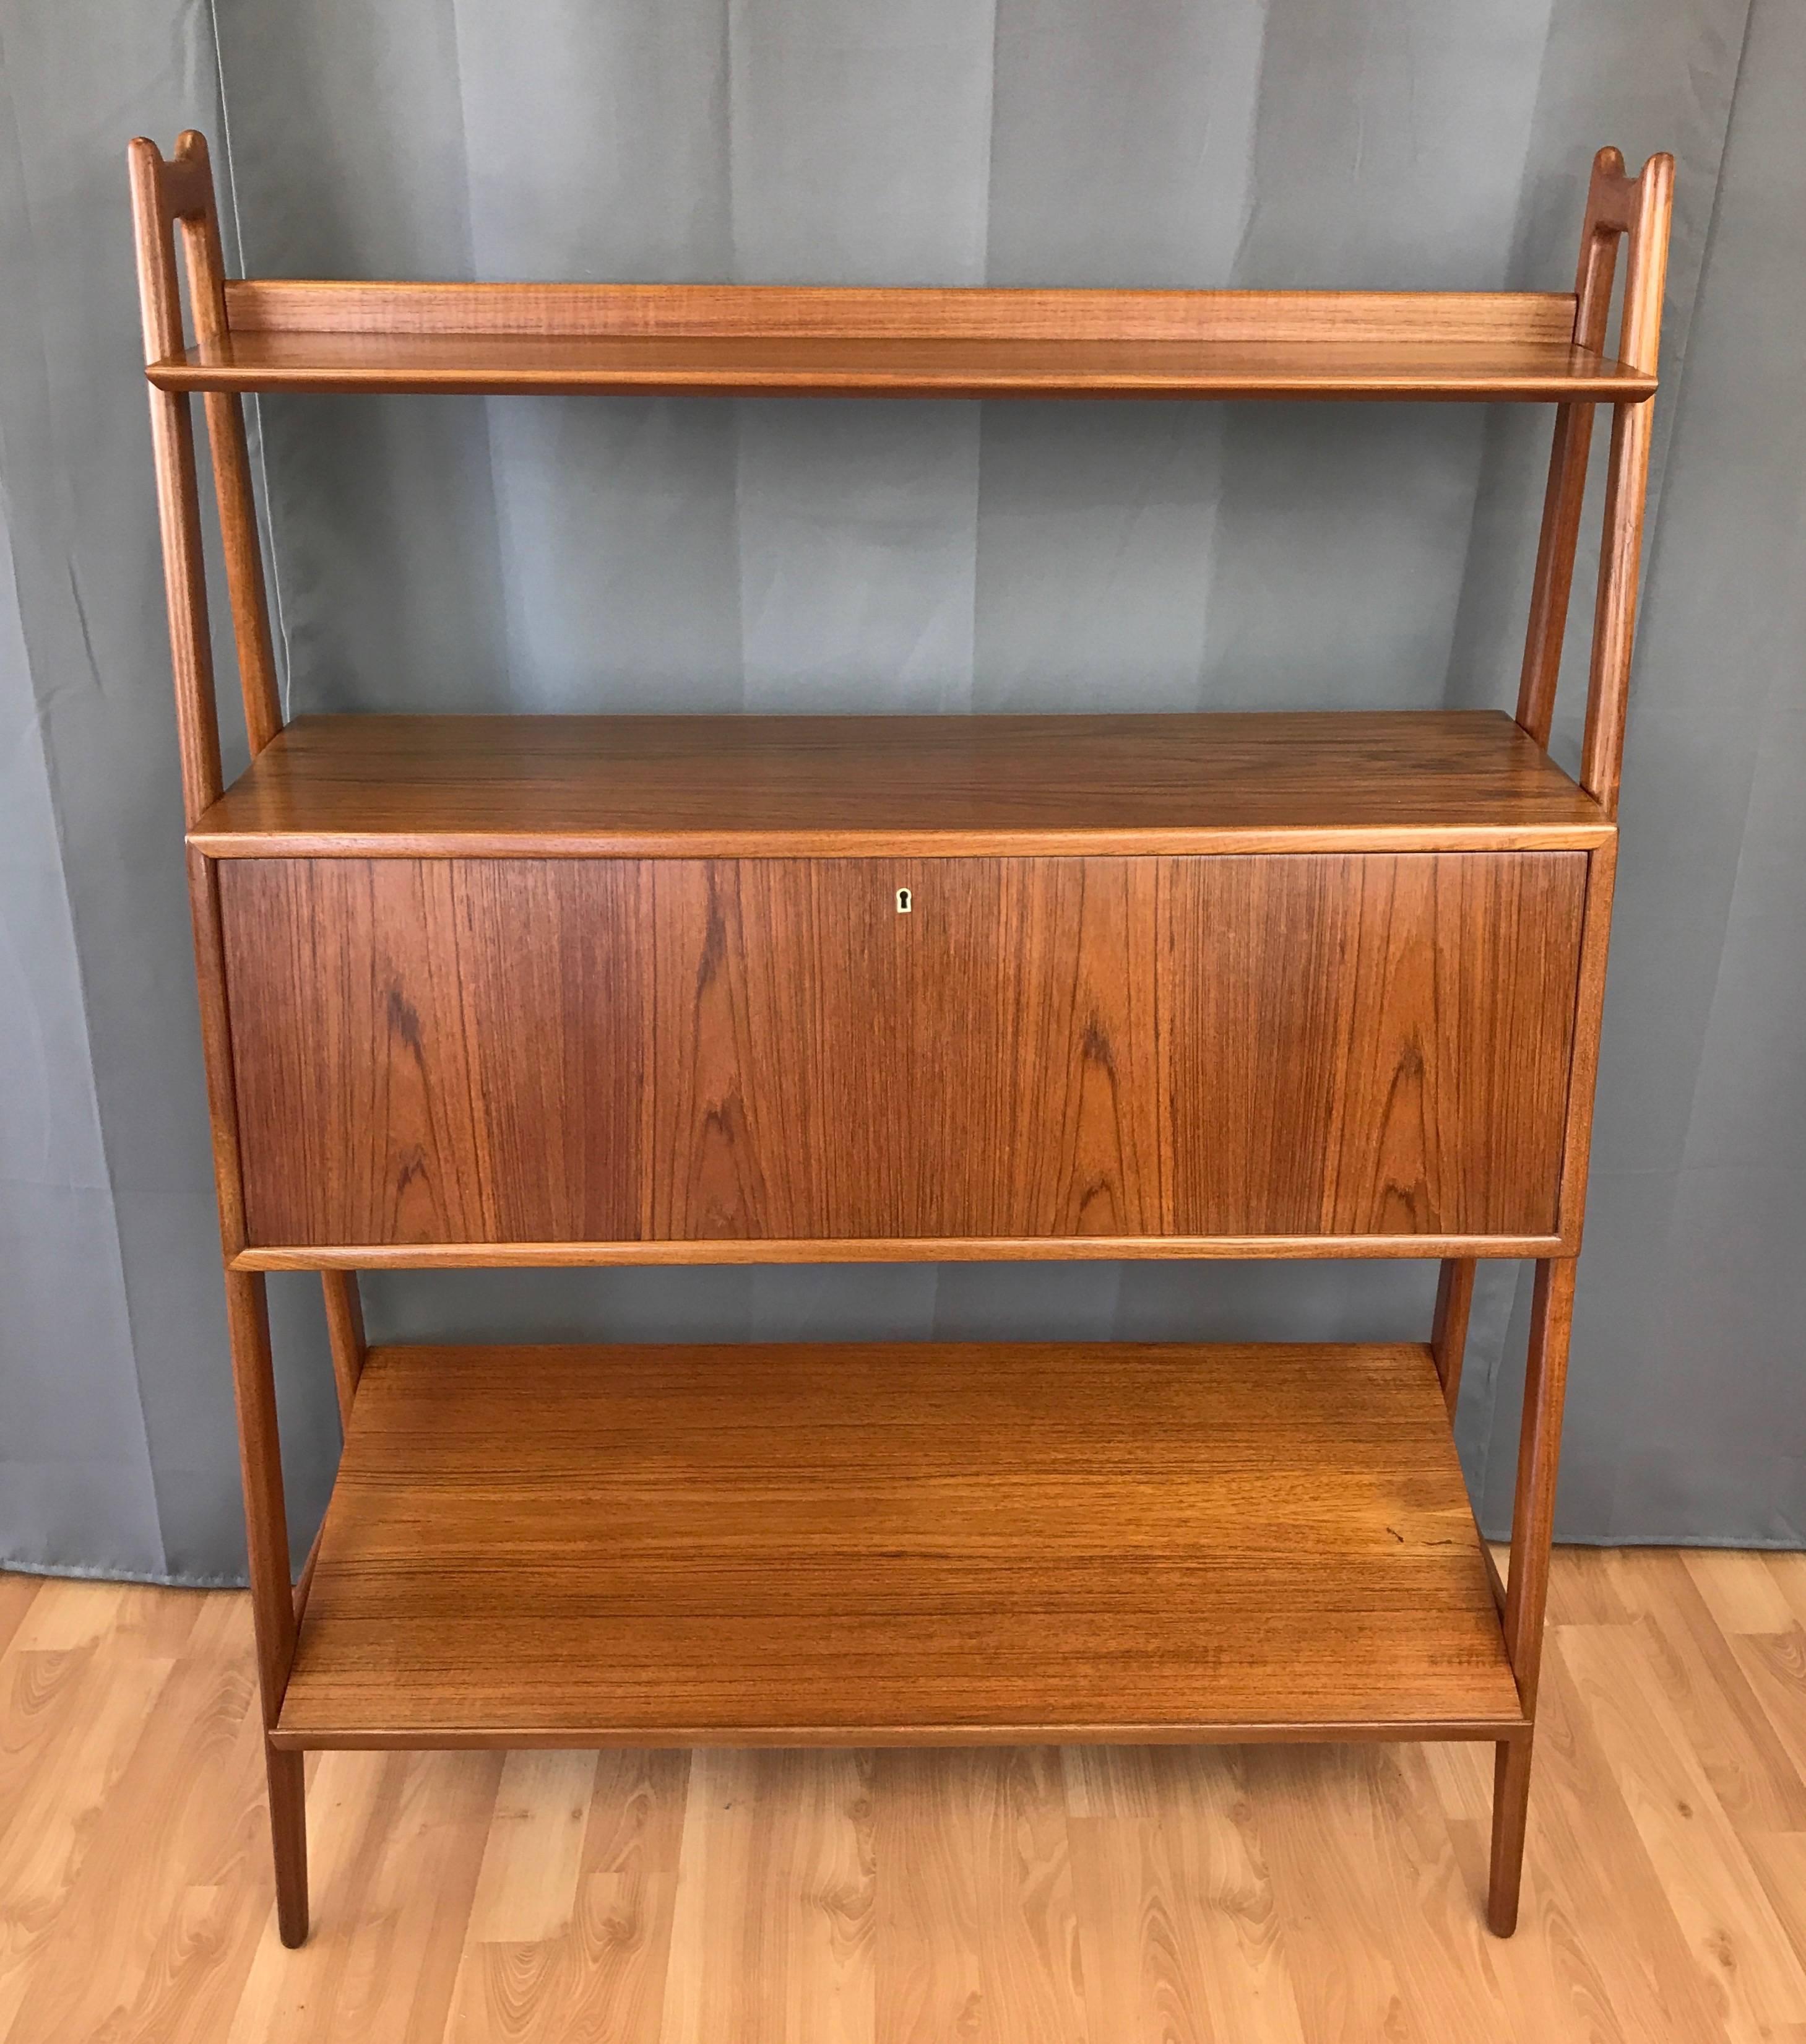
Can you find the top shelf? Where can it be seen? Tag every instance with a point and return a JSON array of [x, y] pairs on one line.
[[751, 340]]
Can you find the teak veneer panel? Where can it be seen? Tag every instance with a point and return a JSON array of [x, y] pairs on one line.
[[1366, 1044], [817, 1063], [749, 787], [900, 1543], [442, 1051], [533, 1051], [436, 1050]]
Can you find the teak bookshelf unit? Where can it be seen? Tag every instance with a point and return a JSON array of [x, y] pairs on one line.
[[609, 990]]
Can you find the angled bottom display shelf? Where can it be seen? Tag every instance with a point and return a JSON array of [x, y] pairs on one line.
[[897, 1544]]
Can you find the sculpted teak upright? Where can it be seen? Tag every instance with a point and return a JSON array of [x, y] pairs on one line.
[[482, 991]]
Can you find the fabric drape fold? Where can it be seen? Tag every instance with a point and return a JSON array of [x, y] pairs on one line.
[[634, 554]]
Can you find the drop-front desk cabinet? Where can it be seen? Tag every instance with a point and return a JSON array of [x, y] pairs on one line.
[[541, 990]]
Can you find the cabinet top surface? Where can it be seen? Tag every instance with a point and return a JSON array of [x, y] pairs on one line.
[[373, 786]]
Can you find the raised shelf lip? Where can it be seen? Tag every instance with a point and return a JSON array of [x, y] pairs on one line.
[[303, 335]]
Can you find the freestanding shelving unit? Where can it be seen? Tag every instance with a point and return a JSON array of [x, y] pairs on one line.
[[487, 991]]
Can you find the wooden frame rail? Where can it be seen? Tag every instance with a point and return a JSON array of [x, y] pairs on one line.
[[1636, 208], [249, 335]]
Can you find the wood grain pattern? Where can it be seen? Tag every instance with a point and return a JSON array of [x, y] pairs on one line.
[[1753, 1973], [344, 1331], [905, 1543], [775, 365], [1369, 1045], [981, 1935], [798, 1829], [1648, 204], [322, 335], [216, 1046], [1627, 477], [1346, 1968], [166, 197], [266, 1523], [1181, 1929], [1533, 1506], [1448, 1334], [1564, 498], [749, 787], [1163, 1894], [266, 1519], [818, 1063], [1596, 938], [535, 1051], [313, 307], [494, 1102], [105, 1922], [1533, 1518], [197, 222], [159, 189]]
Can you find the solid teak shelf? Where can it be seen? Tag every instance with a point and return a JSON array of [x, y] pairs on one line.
[[809, 787], [538, 990], [818, 1543], [767, 340]]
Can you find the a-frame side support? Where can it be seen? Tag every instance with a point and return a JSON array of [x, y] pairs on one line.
[[1637, 209], [1526, 1587], [272, 1600], [172, 196]]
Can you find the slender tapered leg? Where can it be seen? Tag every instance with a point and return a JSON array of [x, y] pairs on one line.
[[1511, 1814], [272, 1598], [1527, 1591], [288, 1839]]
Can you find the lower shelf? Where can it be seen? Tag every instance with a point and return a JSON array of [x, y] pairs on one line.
[[897, 1544]]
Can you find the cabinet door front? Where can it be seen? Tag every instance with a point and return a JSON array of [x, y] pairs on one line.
[[545, 1051], [467, 1051], [1369, 1045]]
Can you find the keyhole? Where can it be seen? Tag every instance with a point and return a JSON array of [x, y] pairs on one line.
[[904, 904]]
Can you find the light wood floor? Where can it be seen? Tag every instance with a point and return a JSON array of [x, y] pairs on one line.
[[1296, 1894]]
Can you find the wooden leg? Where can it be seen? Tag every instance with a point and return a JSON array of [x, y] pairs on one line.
[[1511, 1813], [345, 1325], [1448, 1336], [288, 1840], [1527, 1591], [272, 1597]]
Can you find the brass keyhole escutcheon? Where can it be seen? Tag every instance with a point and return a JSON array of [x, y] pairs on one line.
[[905, 901]]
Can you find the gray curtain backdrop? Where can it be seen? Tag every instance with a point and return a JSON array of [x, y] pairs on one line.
[[629, 554]]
